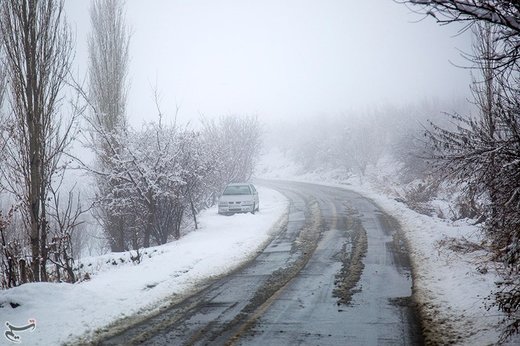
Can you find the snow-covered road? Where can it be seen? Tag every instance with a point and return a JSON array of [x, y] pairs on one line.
[[336, 274], [451, 289]]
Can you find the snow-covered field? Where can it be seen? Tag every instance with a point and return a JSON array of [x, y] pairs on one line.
[[450, 285], [118, 288]]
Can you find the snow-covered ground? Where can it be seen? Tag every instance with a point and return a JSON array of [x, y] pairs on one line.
[[118, 288], [451, 286], [448, 284]]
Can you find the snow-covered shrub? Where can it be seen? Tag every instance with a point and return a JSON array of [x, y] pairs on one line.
[[151, 180], [419, 195], [483, 153], [146, 184]]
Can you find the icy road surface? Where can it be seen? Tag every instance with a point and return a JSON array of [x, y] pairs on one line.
[[336, 274]]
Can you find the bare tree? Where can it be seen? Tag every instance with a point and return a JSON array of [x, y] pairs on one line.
[[65, 219], [108, 69], [37, 46], [483, 151], [108, 64], [158, 177], [3, 80], [504, 14]]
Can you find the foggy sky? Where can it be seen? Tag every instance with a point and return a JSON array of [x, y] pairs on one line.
[[280, 58]]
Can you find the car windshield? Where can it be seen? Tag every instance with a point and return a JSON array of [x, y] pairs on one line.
[[237, 190]]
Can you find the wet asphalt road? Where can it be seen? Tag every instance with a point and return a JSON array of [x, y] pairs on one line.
[[337, 273]]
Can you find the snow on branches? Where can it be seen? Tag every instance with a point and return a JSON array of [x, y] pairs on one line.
[[149, 181]]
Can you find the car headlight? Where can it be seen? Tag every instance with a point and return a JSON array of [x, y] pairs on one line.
[[247, 204], [223, 203]]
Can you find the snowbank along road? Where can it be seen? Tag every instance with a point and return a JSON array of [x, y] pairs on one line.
[[337, 273]]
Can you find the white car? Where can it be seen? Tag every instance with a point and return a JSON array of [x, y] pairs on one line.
[[239, 198]]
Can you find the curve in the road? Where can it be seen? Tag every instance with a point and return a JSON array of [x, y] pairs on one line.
[[337, 273]]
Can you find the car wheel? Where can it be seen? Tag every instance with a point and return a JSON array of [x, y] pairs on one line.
[[254, 208]]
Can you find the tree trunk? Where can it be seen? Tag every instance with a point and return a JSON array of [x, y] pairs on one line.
[[193, 211]]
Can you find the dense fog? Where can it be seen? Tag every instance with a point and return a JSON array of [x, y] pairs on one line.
[[121, 122]]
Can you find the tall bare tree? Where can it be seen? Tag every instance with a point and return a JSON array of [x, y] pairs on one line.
[[38, 50], [108, 69], [108, 65]]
